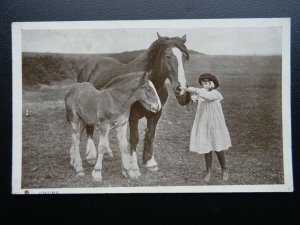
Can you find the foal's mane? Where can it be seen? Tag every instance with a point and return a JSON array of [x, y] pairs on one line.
[[125, 81], [158, 47]]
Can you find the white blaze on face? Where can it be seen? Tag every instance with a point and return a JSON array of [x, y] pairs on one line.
[[159, 103], [181, 74]]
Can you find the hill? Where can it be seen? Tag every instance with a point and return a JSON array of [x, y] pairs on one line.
[[42, 68]]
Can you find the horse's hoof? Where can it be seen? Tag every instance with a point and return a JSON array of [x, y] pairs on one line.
[[153, 168], [125, 174], [132, 174], [97, 175], [91, 161], [137, 173], [80, 173]]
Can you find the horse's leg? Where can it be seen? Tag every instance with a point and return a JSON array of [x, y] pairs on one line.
[[76, 161], [134, 139], [148, 157], [108, 149], [123, 145], [102, 148], [91, 152]]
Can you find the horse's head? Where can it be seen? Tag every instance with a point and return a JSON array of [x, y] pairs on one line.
[[167, 60], [147, 94]]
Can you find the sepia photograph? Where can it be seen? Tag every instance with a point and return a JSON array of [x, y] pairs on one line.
[[152, 106]]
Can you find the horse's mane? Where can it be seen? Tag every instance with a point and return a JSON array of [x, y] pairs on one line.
[[159, 46], [122, 81]]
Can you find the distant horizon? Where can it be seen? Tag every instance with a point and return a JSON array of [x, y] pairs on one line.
[[110, 53]]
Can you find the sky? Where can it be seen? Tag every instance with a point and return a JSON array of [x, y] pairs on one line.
[[209, 40]]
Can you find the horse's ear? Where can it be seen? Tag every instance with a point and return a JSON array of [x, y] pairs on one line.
[[158, 35], [183, 38]]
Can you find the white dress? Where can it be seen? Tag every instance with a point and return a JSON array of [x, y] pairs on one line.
[[209, 132]]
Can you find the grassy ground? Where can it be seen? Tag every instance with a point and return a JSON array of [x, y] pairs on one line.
[[252, 107]]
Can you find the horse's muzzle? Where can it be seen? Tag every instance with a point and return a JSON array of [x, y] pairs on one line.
[[179, 90], [182, 96], [154, 108]]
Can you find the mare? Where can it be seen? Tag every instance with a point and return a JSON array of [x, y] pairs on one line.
[[106, 109], [166, 58]]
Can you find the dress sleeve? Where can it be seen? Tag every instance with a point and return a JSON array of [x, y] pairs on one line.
[[208, 95]]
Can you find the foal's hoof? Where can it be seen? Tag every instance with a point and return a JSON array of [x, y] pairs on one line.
[[110, 154], [153, 168], [80, 173], [91, 161]]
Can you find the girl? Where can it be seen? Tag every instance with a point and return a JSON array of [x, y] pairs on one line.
[[209, 132]]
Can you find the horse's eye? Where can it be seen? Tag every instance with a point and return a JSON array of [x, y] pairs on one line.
[[168, 56]]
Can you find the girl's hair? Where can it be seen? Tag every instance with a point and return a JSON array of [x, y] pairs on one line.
[[211, 78]]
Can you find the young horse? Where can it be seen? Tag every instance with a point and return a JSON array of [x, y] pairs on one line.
[[166, 58], [107, 109]]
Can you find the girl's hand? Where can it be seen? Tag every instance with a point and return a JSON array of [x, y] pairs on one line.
[[189, 89], [194, 98]]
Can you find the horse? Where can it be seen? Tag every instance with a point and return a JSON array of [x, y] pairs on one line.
[[106, 109], [166, 58]]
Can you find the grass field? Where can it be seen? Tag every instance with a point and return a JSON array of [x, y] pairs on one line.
[[251, 86]]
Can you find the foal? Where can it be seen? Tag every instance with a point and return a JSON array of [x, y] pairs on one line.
[[106, 109]]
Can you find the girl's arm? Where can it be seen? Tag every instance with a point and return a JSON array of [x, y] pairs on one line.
[[208, 95]]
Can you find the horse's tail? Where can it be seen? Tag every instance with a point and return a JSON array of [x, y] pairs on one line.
[[80, 74], [84, 72], [68, 105]]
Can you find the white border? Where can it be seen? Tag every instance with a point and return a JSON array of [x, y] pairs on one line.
[[285, 23]]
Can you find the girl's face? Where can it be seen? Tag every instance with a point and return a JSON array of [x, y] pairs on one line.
[[205, 84]]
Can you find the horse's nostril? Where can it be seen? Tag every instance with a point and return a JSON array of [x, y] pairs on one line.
[[178, 89]]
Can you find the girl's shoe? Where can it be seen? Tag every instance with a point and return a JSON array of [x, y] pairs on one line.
[[207, 177], [225, 175]]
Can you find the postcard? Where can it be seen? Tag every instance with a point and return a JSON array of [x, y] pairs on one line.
[[152, 106]]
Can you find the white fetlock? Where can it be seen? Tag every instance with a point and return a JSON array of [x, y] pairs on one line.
[[91, 152], [109, 151], [97, 175], [77, 166], [134, 165]]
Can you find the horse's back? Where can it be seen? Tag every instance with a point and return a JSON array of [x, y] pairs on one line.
[[95, 67]]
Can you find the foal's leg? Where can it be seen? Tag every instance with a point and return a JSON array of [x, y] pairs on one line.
[[91, 152], [102, 148], [148, 156], [76, 161], [123, 144], [134, 139]]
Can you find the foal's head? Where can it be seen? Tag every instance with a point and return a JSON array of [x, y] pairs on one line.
[[147, 95]]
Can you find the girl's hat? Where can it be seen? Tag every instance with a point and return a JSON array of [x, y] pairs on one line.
[[209, 77]]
